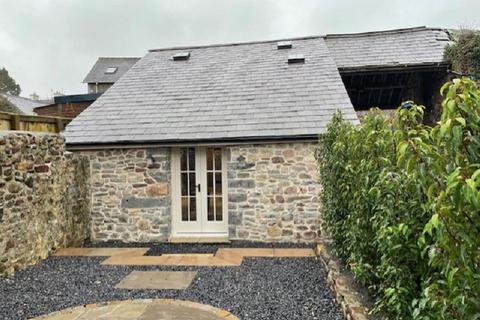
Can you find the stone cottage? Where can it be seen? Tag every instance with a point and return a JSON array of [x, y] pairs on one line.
[[214, 141]]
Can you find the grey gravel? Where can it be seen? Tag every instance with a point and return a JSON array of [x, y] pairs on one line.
[[262, 288]]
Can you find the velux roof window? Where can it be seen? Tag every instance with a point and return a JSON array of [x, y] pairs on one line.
[[284, 45], [296, 58], [111, 70], [181, 56]]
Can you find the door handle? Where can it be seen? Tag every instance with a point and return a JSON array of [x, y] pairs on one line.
[[198, 187]]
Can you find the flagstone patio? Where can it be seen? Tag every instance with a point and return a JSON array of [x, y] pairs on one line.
[[224, 257]]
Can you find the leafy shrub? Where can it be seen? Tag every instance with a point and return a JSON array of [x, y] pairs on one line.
[[464, 54], [402, 203]]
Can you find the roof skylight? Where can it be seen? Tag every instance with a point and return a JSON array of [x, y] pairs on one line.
[[111, 70], [284, 45], [296, 58], [181, 56]]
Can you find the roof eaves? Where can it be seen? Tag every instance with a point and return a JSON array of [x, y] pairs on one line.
[[393, 67], [173, 142]]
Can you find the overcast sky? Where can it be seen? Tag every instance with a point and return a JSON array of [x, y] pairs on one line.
[[50, 45]]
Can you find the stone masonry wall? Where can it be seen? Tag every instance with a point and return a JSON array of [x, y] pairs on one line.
[[130, 194], [273, 192], [44, 198]]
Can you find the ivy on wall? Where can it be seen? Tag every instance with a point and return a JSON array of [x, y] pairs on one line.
[[401, 201]]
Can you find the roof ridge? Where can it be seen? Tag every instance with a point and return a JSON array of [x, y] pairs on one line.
[[234, 43], [333, 35], [17, 97], [118, 58], [372, 33]]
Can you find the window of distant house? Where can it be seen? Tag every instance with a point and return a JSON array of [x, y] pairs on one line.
[[111, 70]]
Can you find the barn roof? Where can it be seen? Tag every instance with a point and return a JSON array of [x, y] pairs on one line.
[[393, 48]]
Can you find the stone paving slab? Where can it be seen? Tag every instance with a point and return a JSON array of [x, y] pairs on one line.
[[175, 255], [268, 252], [147, 309], [177, 280], [207, 261], [224, 257], [101, 252]]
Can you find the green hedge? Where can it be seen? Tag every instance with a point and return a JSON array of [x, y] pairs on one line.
[[402, 203]]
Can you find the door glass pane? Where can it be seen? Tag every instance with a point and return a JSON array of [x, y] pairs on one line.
[[184, 184], [218, 209], [184, 208], [211, 209], [188, 184], [218, 159], [193, 185], [218, 183], [210, 159], [191, 159], [183, 159], [209, 183], [193, 209]]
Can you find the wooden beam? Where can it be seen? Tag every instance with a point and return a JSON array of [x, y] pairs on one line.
[[377, 88], [390, 96], [15, 122], [60, 125], [380, 92]]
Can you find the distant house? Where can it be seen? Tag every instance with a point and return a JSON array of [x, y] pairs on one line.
[[25, 105], [106, 71], [219, 140], [68, 106]]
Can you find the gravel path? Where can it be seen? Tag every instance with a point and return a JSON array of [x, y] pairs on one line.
[[262, 288]]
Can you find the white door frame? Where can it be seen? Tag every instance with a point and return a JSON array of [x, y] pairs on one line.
[[201, 227]]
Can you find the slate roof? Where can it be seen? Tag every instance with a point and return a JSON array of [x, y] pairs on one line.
[[222, 92], [97, 73], [25, 105], [401, 47]]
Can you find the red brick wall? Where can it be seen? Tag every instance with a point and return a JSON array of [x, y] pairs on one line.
[[67, 110]]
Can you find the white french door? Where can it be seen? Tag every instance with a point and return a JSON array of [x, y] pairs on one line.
[[199, 192]]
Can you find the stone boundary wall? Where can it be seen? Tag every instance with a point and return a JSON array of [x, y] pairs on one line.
[[353, 298], [273, 192], [44, 198]]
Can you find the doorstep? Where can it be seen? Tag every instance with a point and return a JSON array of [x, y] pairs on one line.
[[198, 239]]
